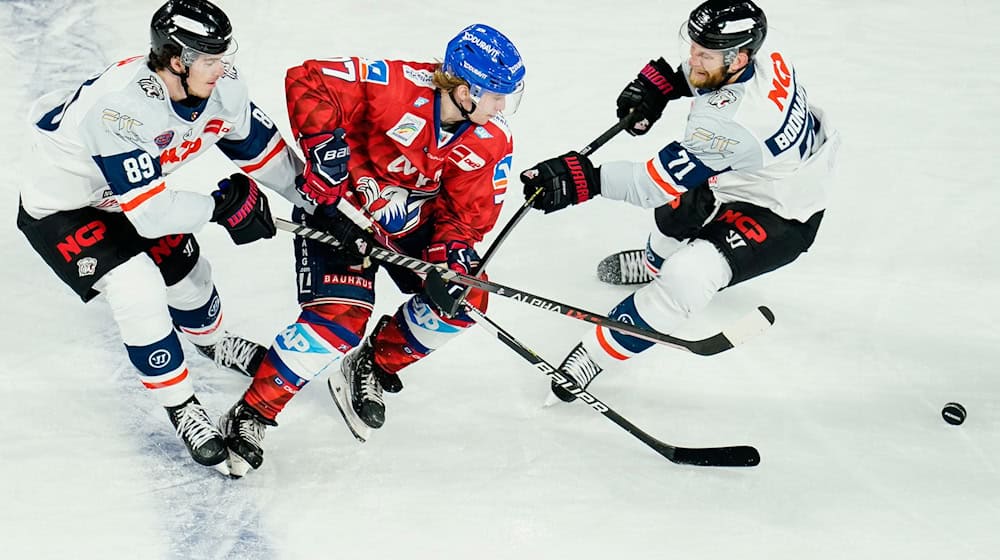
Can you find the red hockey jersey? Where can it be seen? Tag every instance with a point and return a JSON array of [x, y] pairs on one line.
[[404, 169]]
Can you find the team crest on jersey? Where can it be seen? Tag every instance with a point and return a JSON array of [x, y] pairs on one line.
[[466, 159], [406, 130], [151, 88], [722, 99], [482, 133], [86, 266], [397, 209], [423, 78], [163, 140], [374, 71], [501, 173], [421, 101]]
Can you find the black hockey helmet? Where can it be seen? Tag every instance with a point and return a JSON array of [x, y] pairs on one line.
[[191, 25], [728, 24]]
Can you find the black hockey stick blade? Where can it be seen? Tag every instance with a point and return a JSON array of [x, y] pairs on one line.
[[730, 456], [733, 456]]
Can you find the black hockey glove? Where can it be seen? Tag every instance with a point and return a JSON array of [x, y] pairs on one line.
[[243, 210], [647, 95], [565, 180], [458, 256], [355, 242]]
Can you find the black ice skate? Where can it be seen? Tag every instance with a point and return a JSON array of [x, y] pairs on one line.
[[625, 268], [243, 428], [357, 388], [236, 353], [578, 368], [196, 430]]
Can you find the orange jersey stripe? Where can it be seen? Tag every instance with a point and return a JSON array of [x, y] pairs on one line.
[[607, 347], [135, 202], [663, 183], [173, 381], [255, 166]]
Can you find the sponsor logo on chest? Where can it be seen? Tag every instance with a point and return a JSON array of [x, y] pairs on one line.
[[407, 129]]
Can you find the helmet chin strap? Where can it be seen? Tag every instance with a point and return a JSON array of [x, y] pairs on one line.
[[190, 100], [465, 114]]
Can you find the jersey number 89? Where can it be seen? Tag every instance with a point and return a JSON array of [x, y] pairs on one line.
[[139, 168]]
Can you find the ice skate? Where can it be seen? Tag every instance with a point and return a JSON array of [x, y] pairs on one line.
[[243, 428], [196, 430], [235, 353], [578, 368], [625, 268]]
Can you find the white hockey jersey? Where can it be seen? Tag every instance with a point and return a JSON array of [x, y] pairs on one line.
[[111, 143], [758, 141]]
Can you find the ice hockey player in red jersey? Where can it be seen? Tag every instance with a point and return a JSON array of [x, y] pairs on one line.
[[424, 150], [97, 206], [741, 195]]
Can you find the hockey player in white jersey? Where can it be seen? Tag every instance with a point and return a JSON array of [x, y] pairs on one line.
[[741, 195], [98, 209]]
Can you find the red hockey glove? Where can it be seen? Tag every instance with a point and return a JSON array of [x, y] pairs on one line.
[[324, 178]]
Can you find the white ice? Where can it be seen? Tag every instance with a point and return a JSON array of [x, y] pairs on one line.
[[891, 315]]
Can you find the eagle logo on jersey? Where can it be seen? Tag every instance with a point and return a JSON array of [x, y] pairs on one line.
[[397, 209]]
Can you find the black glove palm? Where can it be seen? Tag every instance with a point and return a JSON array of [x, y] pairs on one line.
[[243, 210], [647, 95], [355, 242], [565, 180]]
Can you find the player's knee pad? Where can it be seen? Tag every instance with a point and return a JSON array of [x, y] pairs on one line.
[[195, 306], [689, 280], [162, 369], [607, 346], [137, 296], [416, 330]]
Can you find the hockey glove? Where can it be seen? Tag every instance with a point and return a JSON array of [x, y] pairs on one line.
[[243, 210], [647, 95], [564, 180], [458, 256], [355, 242], [324, 178]]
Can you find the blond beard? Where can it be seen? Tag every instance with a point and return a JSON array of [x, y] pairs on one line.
[[713, 80]]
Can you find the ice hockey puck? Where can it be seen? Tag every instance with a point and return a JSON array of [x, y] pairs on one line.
[[953, 413]]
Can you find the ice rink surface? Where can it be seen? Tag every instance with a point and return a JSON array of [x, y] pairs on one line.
[[889, 316]]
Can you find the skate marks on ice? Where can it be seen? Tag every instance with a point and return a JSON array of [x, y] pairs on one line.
[[204, 514], [52, 43]]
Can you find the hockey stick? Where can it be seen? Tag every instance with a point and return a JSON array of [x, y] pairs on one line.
[[754, 324], [729, 456]]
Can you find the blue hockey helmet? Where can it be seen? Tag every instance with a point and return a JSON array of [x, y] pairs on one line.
[[488, 61]]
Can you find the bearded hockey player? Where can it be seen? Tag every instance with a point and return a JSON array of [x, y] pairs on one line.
[[98, 208], [741, 195], [421, 147]]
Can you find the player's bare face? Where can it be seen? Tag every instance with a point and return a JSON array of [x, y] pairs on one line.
[[708, 67], [203, 74]]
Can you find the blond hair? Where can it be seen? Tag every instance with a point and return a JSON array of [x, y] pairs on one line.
[[445, 81]]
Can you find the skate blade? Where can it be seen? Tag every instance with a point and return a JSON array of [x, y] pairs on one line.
[[223, 468], [238, 468], [339, 390]]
